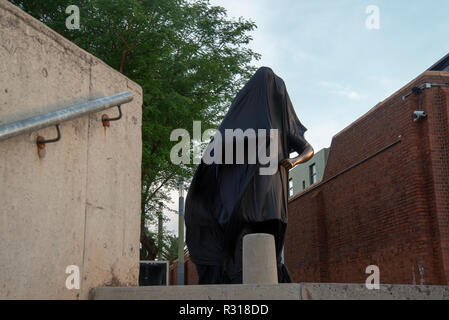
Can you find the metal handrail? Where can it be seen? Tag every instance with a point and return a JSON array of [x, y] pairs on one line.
[[56, 117]]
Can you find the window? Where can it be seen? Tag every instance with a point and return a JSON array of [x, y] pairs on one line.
[[303, 184], [290, 187], [312, 174]]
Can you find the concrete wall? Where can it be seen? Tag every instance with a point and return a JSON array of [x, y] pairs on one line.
[[391, 210], [80, 203], [301, 172]]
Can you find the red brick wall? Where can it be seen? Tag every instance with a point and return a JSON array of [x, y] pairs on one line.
[[190, 274], [392, 210]]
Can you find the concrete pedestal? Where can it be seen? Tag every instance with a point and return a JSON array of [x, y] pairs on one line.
[[259, 259]]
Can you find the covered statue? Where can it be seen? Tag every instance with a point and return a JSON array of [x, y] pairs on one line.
[[236, 195]]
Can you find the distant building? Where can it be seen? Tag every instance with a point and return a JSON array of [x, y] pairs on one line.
[[306, 174], [441, 65]]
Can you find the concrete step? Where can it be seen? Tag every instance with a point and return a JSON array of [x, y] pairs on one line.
[[290, 291]]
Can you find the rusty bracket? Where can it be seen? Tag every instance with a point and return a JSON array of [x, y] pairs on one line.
[[41, 142], [106, 120]]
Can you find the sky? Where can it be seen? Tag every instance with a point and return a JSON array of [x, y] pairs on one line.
[[336, 68]]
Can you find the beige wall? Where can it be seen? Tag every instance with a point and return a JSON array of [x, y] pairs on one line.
[[79, 204]]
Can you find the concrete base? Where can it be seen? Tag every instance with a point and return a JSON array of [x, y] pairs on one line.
[[291, 291], [259, 259]]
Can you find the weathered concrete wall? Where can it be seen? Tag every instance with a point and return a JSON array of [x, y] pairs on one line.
[[284, 291], [80, 204]]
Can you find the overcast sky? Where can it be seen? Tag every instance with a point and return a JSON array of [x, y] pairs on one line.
[[334, 67]]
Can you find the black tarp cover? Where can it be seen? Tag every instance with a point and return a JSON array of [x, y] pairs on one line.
[[221, 194]]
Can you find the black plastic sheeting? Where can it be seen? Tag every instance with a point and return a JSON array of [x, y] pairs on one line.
[[227, 201]]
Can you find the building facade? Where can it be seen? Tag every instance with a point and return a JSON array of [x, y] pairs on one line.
[[306, 174], [384, 197], [190, 273]]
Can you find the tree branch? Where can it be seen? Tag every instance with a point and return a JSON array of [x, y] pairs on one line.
[[160, 186], [148, 243]]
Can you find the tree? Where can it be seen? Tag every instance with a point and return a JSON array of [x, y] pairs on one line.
[[189, 58], [170, 249]]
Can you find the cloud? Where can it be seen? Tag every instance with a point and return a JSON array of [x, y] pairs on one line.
[[352, 95], [320, 133], [341, 90]]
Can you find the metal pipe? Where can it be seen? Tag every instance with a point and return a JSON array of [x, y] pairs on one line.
[[56, 117], [181, 235], [419, 89]]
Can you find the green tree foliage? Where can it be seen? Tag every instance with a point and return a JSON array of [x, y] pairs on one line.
[[170, 248], [189, 57]]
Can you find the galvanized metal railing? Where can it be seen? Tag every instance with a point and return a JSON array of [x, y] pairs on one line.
[[56, 117]]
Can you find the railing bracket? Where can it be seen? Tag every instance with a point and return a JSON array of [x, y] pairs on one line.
[[41, 142], [106, 120]]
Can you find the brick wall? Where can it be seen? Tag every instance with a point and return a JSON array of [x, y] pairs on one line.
[[392, 210], [190, 274]]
